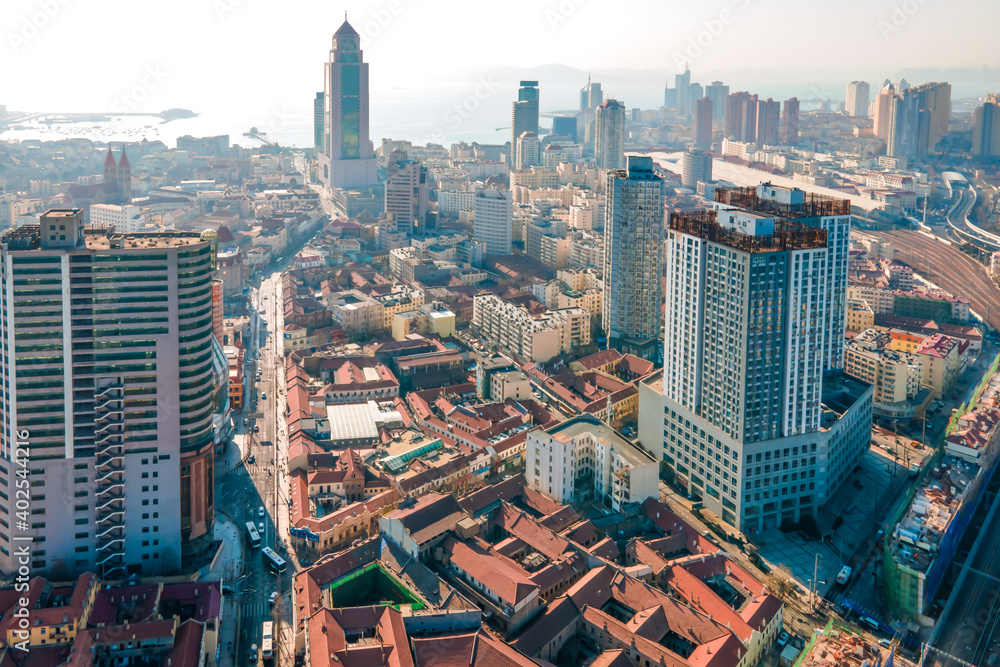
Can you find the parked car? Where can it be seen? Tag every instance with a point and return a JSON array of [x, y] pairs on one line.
[[783, 639], [844, 575], [869, 622], [274, 598], [260, 512]]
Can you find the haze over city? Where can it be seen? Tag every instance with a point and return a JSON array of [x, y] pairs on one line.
[[546, 334]]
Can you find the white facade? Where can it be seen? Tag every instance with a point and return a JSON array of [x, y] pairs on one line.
[[126, 219], [516, 332], [586, 449], [494, 223]]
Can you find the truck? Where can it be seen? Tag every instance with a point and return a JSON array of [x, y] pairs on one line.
[[844, 575]]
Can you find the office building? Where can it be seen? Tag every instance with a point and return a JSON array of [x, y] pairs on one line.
[[524, 116], [126, 219], [633, 256], [741, 117], [116, 410], [696, 166], [591, 96], [406, 184], [669, 97], [881, 111], [750, 422], [494, 220], [768, 115], [527, 154], [609, 141], [586, 452], [703, 123], [717, 92], [790, 122], [348, 157], [831, 215], [986, 129], [683, 84], [564, 126], [319, 122], [856, 104]]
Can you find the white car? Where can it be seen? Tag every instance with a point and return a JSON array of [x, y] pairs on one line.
[[844, 575], [261, 512]]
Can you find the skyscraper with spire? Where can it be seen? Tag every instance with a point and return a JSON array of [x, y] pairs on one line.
[[348, 157]]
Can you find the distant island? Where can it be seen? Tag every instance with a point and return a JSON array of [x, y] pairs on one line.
[[174, 114]]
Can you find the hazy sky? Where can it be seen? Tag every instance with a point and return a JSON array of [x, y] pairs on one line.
[[95, 55]]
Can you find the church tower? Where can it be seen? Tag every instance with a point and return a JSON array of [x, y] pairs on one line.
[[110, 168], [124, 178]]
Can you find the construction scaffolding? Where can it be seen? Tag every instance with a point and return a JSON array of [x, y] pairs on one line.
[[813, 205], [787, 235]]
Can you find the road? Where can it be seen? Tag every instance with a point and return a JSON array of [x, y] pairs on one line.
[[949, 269], [253, 485]]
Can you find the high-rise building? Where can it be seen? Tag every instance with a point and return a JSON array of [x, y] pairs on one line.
[[831, 215], [768, 117], [406, 185], [591, 96], [565, 126], [918, 119], [319, 122], [703, 123], [669, 97], [717, 92], [524, 116], [742, 388], [683, 84], [696, 166], [633, 255], [113, 389], [986, 129], [741, 116], [883, 108], [856, 104], [348, 159], [494, 220], [528, 149], [609, 135], [790, 122]]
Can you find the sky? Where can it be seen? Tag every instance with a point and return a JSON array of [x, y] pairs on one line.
[[142, 55]]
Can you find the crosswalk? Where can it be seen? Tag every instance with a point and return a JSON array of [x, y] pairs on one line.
[[254, 469], [255, 608]]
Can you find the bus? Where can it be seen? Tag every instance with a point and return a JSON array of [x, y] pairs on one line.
[[267, 641], [253, 535], [272, 560]]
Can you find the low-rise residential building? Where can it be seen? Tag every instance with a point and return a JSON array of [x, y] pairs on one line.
[[942, 360], [429, 319], [859, 315], [515, 331], [359, 315], [931, 304], [897, 377], [584, 457]]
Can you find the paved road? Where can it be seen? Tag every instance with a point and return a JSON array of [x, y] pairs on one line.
[[949, 269]]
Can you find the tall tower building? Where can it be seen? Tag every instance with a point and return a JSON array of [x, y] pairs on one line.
[[494, 222], [857, 99], [348, 160], [609, 135], [319, 122], [741, 116], [524, 116], [768, 116], [703, 123], [831, 215], [114, 376], [717, 92], [751, 422], [883, 107], [591, 96], [790, 122], [633, 257], [683, 84], [406, 192], [986, 129]]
